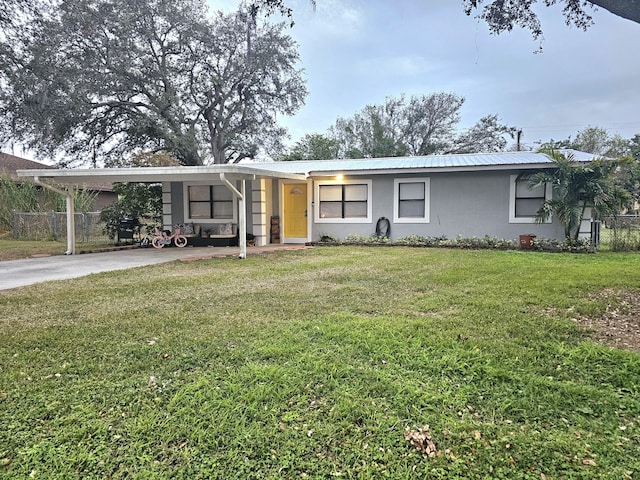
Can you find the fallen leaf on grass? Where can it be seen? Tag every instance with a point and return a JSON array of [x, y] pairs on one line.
[[421, 440]]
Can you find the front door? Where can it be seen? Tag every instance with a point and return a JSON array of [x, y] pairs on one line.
[[294, 212]]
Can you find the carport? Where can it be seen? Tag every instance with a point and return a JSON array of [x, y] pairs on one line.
[[66, 181]]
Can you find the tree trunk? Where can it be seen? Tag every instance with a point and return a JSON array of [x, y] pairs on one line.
[[629, 9]]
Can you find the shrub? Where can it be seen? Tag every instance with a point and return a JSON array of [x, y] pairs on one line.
[[569, 245], [353, 238]]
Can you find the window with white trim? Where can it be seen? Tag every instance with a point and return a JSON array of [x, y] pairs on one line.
[[345, 202], [210, 202], [525, 201], [411, 200]]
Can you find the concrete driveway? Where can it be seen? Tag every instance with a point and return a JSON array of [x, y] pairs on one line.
[[18, 273]]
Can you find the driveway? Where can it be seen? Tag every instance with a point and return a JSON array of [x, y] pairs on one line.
[[19, 273]]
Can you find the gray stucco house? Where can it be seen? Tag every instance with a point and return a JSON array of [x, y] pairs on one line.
[[297, 202]]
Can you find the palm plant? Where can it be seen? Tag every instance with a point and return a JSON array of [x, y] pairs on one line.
[[577, 187]]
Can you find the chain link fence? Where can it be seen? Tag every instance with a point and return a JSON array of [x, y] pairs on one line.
[[622, 232], [53, 226]]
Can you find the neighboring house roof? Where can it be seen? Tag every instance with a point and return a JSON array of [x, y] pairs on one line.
[[10, 164], [300, 170]]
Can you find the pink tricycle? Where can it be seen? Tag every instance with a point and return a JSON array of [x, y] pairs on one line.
[[163, 238]]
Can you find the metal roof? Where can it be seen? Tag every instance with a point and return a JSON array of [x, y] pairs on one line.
[[300, 170], [457, 162]]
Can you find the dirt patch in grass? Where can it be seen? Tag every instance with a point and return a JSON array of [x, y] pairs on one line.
[[619, 326]]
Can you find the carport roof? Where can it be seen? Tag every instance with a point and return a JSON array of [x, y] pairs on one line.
[[301, 170], [157, 174]]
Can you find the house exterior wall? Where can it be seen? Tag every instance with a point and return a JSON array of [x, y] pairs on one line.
[[104, 199], [469, 204], [174, 205]]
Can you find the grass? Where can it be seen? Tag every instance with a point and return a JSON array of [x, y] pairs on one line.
[[312, 364], [14, 250]]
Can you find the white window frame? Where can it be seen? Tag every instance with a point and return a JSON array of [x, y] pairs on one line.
[[316, 208], [396, 200], [548, 192], [185, 201]]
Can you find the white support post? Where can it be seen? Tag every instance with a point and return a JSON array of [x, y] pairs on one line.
[[242, 219], [71, 218], [71, 223], [242, 213]]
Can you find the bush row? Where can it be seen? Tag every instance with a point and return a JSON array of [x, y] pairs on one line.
[[486, 242]]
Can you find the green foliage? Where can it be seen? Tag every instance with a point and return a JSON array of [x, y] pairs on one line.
[[318, 368], [353, 238], [569, 245], [502, 16], [623, 233], [594, 140], [26, 196], [418, 125], [84, 200], [486, 242], [313, 147], [200, 86], [22, 197], [577, 187], [634, 147], [627, 177], [145, 159], [135, 200]]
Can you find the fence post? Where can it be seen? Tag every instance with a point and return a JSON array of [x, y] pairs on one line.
[[15, 224], [54, 225], [85, 226]]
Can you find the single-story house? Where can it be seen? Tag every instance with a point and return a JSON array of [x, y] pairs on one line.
[[10, 164], [296, 202]]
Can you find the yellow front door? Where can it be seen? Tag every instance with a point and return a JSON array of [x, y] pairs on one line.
[[295, 210]]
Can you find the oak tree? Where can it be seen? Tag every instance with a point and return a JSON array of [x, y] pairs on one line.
[[107, 78], [418, 125]]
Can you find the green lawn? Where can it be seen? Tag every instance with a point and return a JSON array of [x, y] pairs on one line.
[[14, 250], [312, 364]]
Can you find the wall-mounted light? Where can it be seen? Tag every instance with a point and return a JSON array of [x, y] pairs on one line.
[[340, 177]]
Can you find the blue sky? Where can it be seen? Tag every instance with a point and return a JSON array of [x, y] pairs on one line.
[[357, 52]]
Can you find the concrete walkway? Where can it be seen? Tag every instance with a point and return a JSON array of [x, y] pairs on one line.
[[18, 273]]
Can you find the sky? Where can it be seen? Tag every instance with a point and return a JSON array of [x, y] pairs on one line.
[[358, 52]]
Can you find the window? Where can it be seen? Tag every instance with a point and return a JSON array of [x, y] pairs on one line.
[[411, 200], [210, 202], [525, 202], [348, 202]]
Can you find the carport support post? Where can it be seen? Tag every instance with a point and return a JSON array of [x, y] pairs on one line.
[[71, 223], [71, 227], [242, 213], [242, 219]]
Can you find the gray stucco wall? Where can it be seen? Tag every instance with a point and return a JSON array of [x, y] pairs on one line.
[[178, 206], [470, 204]]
